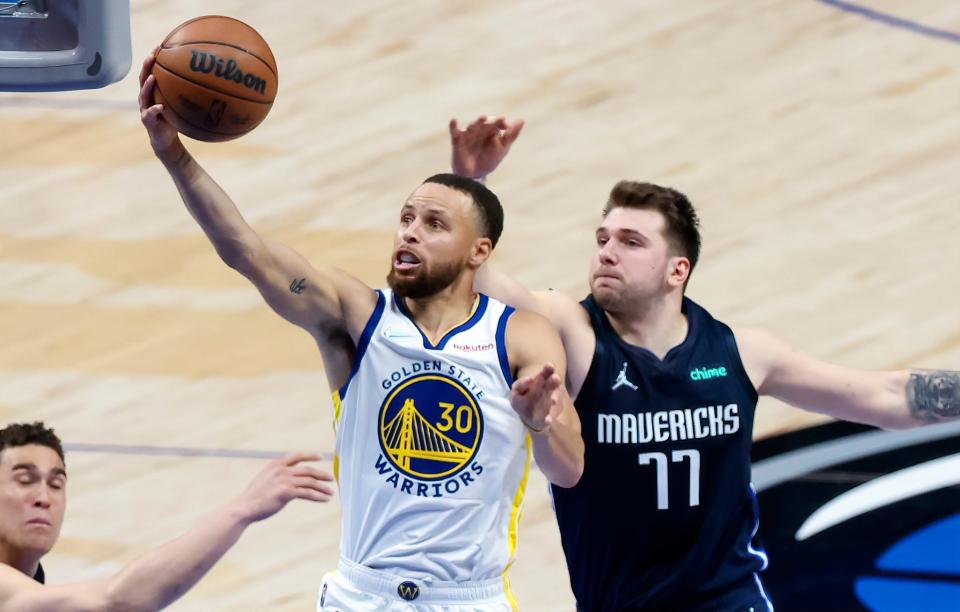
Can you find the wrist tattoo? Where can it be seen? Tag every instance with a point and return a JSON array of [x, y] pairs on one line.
[[298, 285], [934, 395]]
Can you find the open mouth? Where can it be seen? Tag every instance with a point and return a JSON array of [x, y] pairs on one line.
[[405, 260]]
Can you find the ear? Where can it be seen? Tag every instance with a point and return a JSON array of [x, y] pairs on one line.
[[678, 271], [480, 252]]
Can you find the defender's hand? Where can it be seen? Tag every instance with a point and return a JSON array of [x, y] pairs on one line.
[[282, 481], [537, 398], [164, 138], [480, 147]]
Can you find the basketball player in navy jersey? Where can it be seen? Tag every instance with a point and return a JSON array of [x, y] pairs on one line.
[[664, 517], [33, 498], [440, 393]]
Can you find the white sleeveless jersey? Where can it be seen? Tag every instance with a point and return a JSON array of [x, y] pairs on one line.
[[431, 459]]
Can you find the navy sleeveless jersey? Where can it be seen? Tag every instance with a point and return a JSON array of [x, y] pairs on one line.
[[664, 516]]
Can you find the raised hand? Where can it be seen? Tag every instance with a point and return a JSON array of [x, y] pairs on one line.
[[480, 147], [164, 138], [282, 481], [537, 398]]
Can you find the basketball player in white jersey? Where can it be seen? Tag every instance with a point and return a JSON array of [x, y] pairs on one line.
[[33, 499], [440, 392]]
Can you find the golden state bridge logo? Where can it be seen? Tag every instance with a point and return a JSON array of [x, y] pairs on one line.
[[430, 430]]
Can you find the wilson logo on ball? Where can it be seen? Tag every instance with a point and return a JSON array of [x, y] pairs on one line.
[[201, 61]]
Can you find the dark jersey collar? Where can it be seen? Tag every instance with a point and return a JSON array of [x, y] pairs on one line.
[[40, 576]]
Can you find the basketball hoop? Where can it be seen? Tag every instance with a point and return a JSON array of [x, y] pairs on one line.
[[63, 45]]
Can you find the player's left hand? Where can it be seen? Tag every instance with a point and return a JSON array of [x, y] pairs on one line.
[[480, 147], [537, 398], [282, 481]]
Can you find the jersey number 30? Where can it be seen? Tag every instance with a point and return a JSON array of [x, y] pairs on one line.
[[660, 459]]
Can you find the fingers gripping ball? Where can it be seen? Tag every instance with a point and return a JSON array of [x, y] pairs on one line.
[[215, 77]]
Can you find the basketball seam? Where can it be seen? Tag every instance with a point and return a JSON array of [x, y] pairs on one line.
[[220, 91], [181, 26], [226, 44], [174, 111]]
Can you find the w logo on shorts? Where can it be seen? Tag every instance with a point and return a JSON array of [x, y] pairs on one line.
[[408, 590]]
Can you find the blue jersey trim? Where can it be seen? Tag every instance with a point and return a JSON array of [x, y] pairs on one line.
[[730, 340], [502, 344], [763, 593], [364, 340], [474, 318], [757, 552]]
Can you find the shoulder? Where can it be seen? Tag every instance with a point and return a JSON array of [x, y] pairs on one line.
[[757, 342], [531, 338], [528, 324]]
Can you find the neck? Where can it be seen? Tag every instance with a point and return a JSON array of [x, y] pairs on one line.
[[437, 314], [22, 561], [657, 325]]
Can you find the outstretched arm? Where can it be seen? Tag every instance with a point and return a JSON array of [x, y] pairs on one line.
[[319, 300], [540, 398], [892, 400], [476, 150], [163, 575]]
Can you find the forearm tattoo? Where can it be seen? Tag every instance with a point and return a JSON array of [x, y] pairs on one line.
[[298, 285], [934, 395]]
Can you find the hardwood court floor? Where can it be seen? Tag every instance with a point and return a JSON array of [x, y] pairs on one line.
[[819, 145]]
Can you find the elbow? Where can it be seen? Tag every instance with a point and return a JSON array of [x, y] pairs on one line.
[[569, 478], [117, 597], [238, 256]]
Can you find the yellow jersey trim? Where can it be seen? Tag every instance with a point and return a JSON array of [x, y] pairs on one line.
[[515, 523], [337, 411]]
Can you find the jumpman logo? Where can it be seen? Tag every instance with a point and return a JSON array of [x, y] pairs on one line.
[[622, 380]]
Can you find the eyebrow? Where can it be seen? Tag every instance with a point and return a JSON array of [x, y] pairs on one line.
[[428, 208], [620, 230], [33, 468]]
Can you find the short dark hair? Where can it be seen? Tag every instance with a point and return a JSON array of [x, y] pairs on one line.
[[491, 212], [683, 226], [22, 434]]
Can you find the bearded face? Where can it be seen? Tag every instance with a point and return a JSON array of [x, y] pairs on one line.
[[434, 241], [423, 280]]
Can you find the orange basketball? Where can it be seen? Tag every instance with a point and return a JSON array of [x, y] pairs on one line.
[[216, 78]]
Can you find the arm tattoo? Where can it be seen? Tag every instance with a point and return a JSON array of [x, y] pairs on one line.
[[934, 395], [298, 285]]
